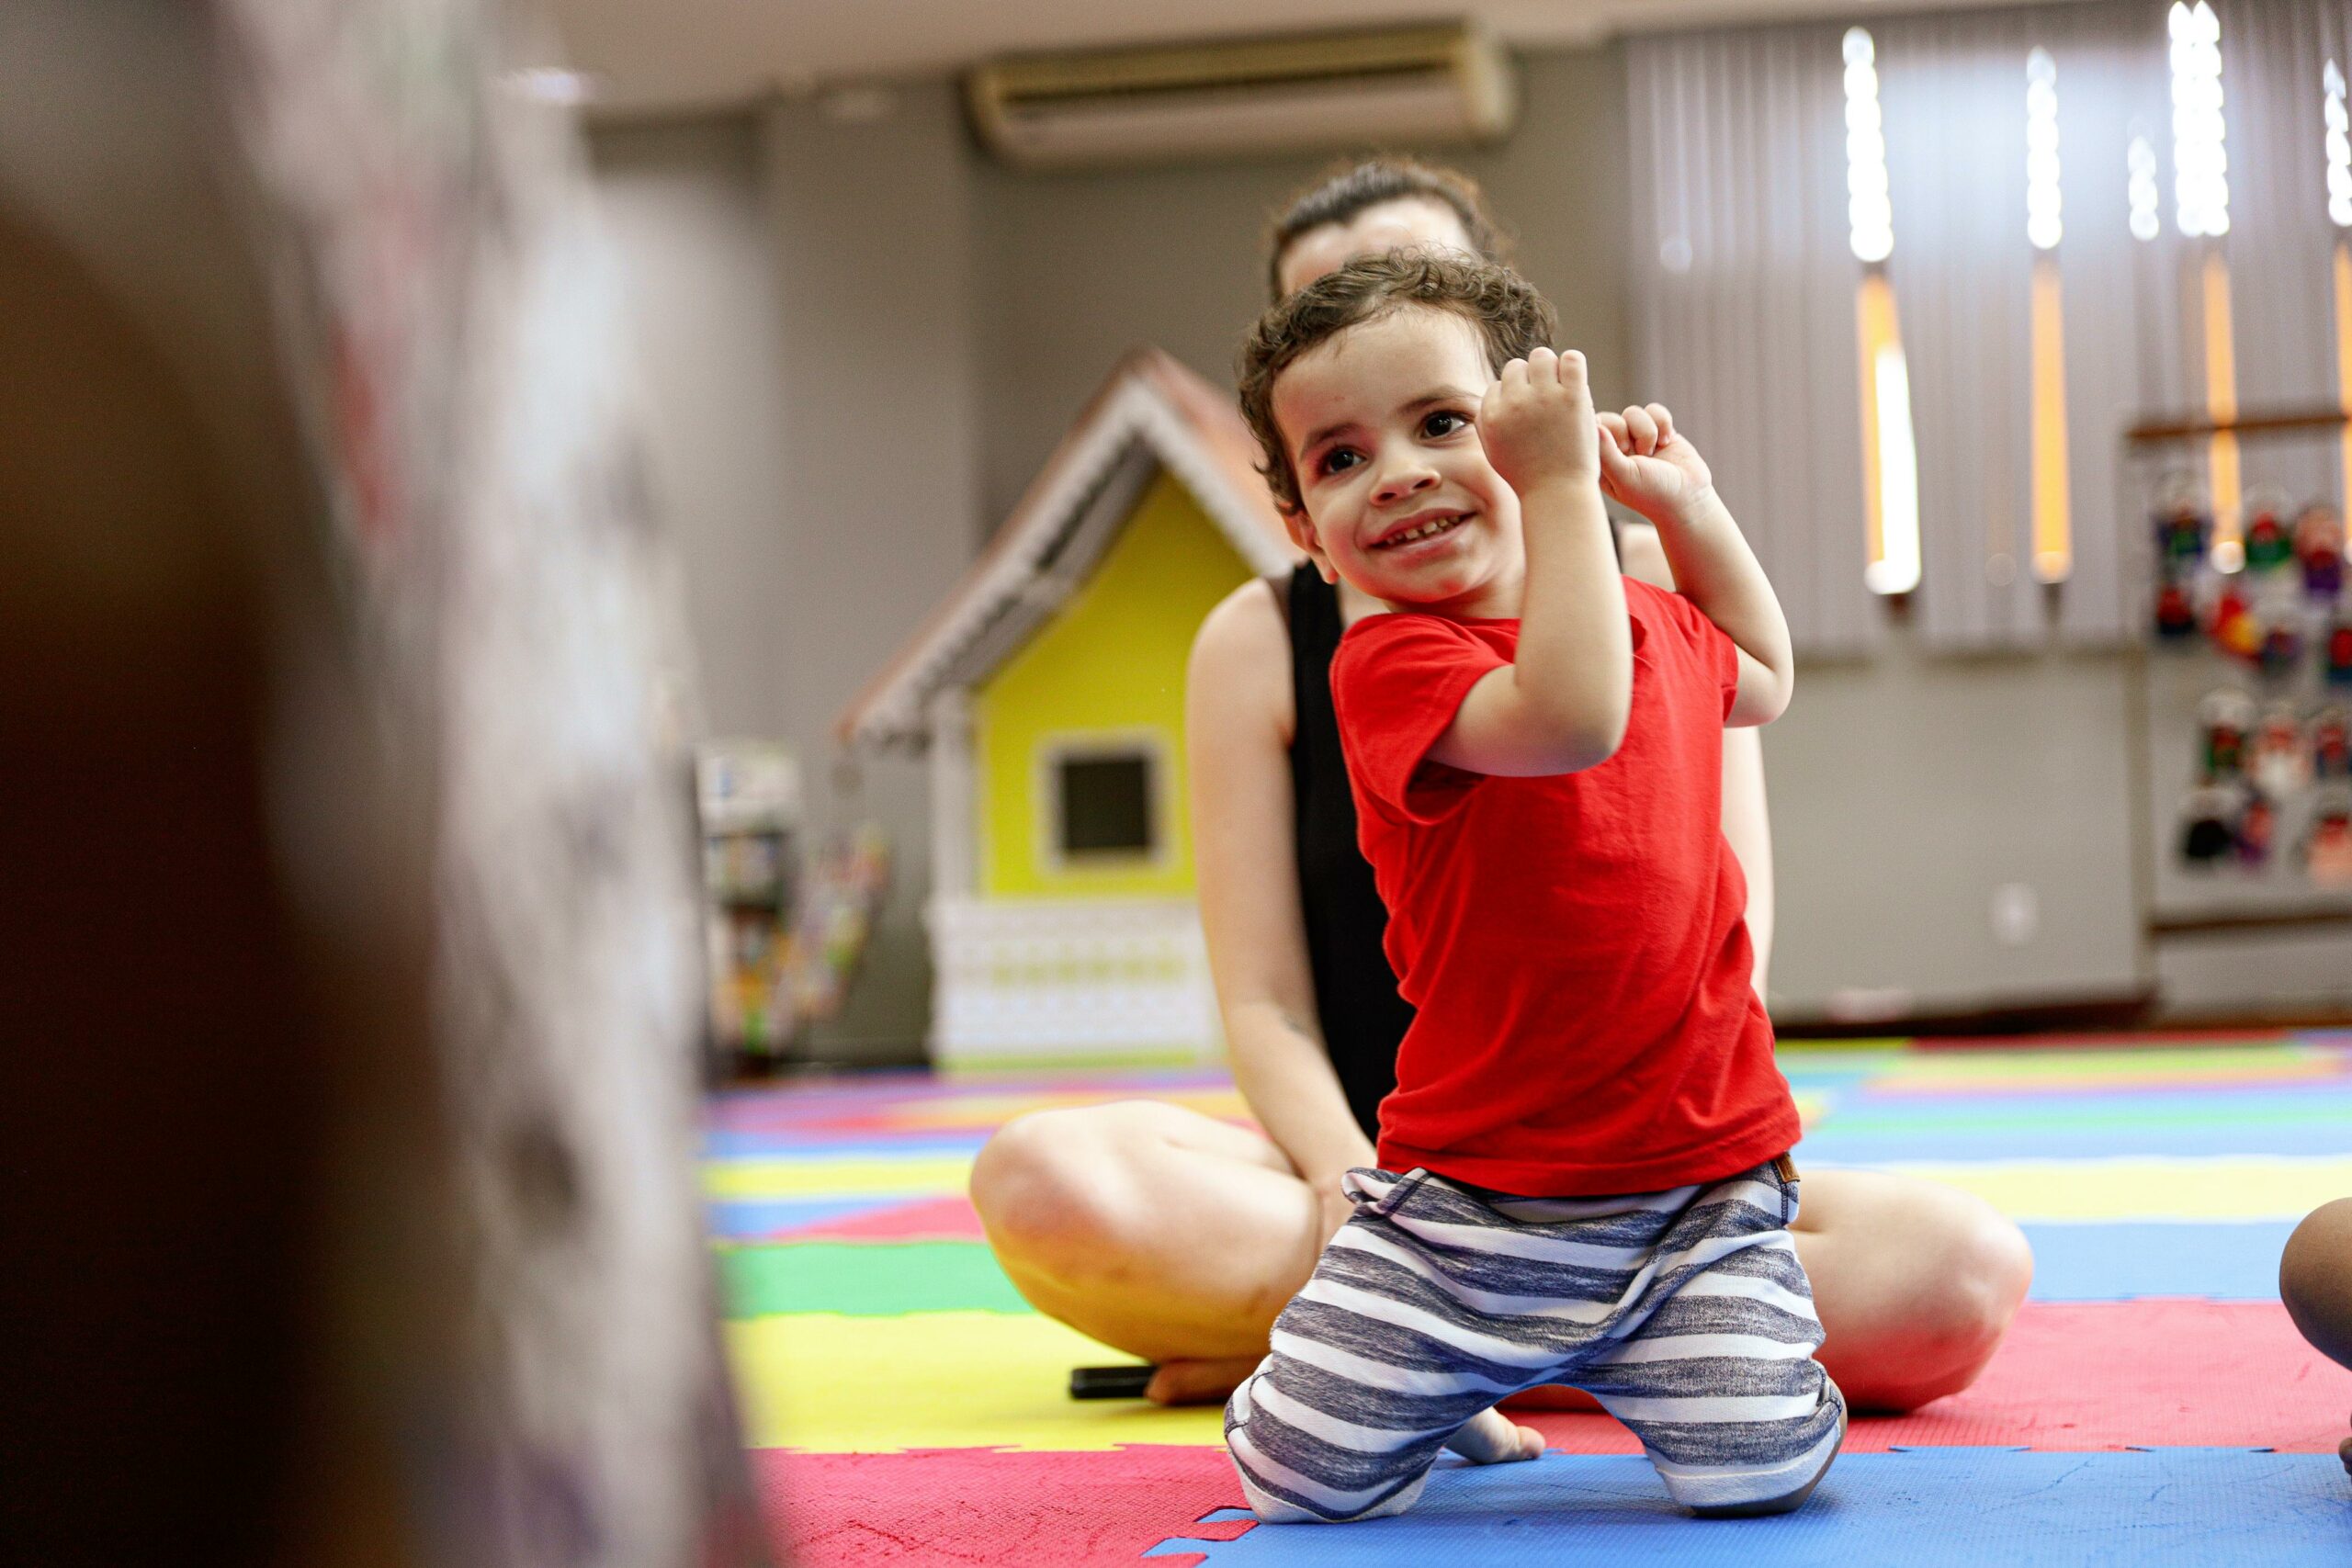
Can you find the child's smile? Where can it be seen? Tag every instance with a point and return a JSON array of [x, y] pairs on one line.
[[1400, 499], [1417, 530]]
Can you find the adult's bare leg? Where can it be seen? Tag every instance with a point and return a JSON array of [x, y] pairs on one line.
[[1916, 1283], [1167, 1234], [1177, 1238], [1171, 1235]]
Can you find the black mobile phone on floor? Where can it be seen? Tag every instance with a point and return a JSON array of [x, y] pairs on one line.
[[1127, 1382]]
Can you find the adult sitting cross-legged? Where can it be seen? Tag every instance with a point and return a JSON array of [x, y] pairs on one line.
[[1177, 1237]]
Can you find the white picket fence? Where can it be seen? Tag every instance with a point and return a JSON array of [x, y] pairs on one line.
[[1031, 980]]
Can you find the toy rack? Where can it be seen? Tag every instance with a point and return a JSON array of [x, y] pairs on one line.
[[2171, 679], [748, 796]]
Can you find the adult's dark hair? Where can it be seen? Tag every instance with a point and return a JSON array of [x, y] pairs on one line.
[[1512, 321], [1349, 188]]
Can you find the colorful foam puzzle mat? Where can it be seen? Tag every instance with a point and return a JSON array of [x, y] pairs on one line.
[[2151, 1404]]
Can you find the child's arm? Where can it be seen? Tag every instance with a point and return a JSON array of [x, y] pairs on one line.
[[1650, 466], [1561, 705]]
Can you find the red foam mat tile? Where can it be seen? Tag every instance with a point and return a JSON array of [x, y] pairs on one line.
[[950, 1218], [2103, 1375], [979, 1505]]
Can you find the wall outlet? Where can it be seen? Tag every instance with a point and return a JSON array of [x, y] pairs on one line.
[[2016, 914], [1869, 1004]]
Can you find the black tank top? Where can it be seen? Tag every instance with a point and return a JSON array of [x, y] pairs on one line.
[[1363, 1018]]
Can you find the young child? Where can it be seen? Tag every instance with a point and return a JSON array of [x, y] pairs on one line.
[[1584, 1173]]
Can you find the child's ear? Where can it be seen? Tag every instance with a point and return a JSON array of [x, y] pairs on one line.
[[1302, 533]]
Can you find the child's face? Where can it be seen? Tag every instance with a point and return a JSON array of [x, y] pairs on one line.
[[1380, 422]]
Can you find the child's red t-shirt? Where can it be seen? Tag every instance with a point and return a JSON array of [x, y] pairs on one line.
[[1575, 944]]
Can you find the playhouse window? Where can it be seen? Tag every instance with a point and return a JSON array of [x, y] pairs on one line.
[[1103, 806]]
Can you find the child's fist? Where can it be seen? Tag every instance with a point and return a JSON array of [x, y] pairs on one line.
[[1537, 422], [1646, 465]]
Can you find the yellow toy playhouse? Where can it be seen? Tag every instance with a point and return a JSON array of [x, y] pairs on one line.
[[1048, 694]]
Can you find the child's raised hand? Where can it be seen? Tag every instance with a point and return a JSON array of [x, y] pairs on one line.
[[1646, 465], [1537, 422]]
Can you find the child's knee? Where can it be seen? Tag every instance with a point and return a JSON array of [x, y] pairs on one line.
[[1273, 1508], [1733, 1468], [1292, 1478]]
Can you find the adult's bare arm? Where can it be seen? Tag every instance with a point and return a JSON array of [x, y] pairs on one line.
[[1747, 823], [1237, 720], [1747, 828]]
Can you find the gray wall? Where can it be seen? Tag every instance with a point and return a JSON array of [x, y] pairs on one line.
[[922, 325], [1907, 789], [803, 287], [685, 205], [1075, 268]]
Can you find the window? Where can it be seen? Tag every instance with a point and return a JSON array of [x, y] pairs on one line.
[[1105, 806], [1102, 801]]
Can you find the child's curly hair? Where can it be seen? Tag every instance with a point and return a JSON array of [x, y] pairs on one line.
[[1512, 318]]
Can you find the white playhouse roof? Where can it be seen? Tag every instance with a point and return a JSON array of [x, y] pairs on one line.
[[1151, 413]]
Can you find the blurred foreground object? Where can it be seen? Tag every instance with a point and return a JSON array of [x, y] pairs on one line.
[[349, 968]]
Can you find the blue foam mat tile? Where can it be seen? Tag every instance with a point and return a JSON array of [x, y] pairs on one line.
[[753, 1218], [1916, 1508], [2116, 1261], [1876, 1126]]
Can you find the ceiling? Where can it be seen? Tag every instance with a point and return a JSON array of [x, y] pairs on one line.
[[663, 55]]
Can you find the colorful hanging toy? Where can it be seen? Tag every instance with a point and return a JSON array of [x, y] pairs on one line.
[[2282, 763], [2268, 546], [2225, 718], [2339, 652], [2327, 847], [2282, 648], [2176, 611], [2208, 825], [2234, 627], [2257, 825], [2319, 546], [2183, 526], [2332, 742]]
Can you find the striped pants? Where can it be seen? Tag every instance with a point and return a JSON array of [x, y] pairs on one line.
[[1684, 1312]]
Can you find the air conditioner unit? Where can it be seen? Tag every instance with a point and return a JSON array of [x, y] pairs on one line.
[[1244, 98]]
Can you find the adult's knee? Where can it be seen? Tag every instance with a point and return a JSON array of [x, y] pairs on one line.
[[1961, 1316], [1966, 1270], [2315, 1279], [1045, 1189], [1995, 1263]]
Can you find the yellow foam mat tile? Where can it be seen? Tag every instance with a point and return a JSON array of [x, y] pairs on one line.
[[2221, 1186], [921, 1176], [838, 1384]]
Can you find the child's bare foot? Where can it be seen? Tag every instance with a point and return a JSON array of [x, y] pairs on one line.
[[1199, 1383], [1491, 1439]]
